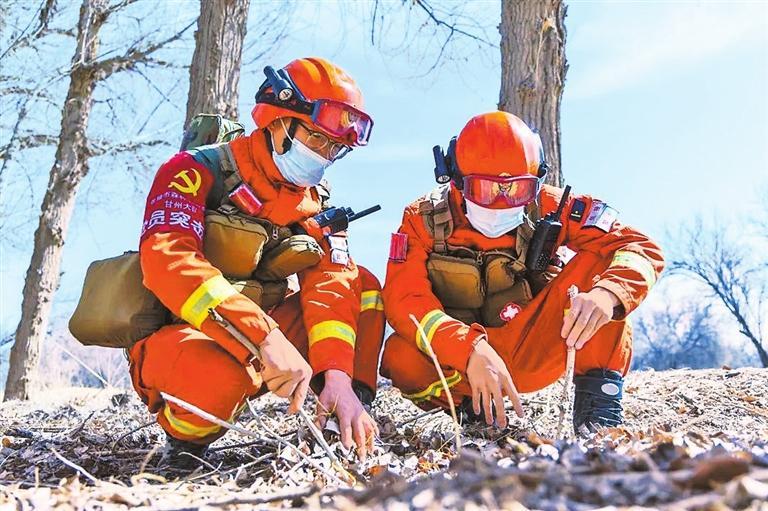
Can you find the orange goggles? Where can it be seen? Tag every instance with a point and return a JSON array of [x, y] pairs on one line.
[[501, 192], [341, 121]]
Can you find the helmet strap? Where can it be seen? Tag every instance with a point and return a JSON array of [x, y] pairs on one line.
[[288, 140]]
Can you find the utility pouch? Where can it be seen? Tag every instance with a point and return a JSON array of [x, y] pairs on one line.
[[292, 255], [264, 294], [500, 270], [467, 316], [234, 243], [520, 294], [115, 309], [456, 281]]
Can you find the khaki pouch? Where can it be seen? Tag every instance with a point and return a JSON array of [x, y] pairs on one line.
[[456, 281], [499, 273], [264, 294], [520, 294], [115, 309], [233, 243], [292, 255]]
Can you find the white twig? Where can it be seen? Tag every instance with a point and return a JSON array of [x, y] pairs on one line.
[[97, 375], [296, 449], [75, 466], [234, 427], [570, 363], [451, 404]]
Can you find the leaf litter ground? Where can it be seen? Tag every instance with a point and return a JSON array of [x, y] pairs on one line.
[[692, 440]]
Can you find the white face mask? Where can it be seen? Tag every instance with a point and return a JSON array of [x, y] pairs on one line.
[[300, 165], [494, 222]]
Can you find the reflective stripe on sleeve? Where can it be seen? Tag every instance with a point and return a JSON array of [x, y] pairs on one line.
[[429, 324], [371, 300], [210, 294], [636, 262], [332, 329]]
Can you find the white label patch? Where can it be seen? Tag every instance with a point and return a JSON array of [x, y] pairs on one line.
[[601, 215], [338, 243], [340, 257], [610, 388]]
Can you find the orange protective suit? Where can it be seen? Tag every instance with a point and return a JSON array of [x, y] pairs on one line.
[[336, 319], [621, 260]]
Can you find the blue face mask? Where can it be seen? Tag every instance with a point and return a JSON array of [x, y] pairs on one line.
[[300, 165]]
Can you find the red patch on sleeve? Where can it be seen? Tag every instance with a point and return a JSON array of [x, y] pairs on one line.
[[398, 247], [176, 201]]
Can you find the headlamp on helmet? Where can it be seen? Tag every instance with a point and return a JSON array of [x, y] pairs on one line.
[[338, 119]]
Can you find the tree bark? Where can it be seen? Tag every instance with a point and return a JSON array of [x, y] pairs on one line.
[[533, 68], [69, 168], [214, 76]]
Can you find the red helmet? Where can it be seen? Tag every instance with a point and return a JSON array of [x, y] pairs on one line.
[[498, 143], [325, 97], [499, 161]]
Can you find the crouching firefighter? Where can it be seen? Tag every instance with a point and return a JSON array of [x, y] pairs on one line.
[[473, 275], [225, 226]]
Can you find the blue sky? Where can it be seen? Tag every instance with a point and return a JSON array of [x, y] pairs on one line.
[[665, 115]]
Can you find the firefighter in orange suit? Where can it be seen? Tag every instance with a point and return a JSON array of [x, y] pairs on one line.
[[458, 268], [335, 321]]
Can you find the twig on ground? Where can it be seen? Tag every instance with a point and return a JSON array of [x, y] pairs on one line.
[[448, 395], [296, 449], [134, 430], [78, 468]]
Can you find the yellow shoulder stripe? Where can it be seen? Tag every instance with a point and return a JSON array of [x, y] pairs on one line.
[[429, 324], [210, 294], [332, 329], [636, 262], [371, 300]]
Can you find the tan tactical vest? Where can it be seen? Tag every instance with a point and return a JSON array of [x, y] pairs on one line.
[[476, 286], [256, 256]]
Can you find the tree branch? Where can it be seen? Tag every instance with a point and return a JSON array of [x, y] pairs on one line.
[[105, 68], [101, 147]]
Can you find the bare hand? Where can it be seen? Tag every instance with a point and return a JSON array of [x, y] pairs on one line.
[[589, 312], [357, 427], [284, 370], [490, 382]]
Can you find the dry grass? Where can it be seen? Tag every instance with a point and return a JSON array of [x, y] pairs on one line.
[[692, 440]]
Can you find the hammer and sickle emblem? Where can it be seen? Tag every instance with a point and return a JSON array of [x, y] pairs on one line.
[[188, 186]]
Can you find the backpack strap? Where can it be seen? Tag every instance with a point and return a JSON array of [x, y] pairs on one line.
[[438, 219], [219, 160]]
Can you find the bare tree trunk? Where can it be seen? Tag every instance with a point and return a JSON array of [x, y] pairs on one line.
[[68, 170], [533, 69], [214, 76]]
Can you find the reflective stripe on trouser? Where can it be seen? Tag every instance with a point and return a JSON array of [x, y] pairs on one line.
[[187, 364], [370, 329], [530, 344]]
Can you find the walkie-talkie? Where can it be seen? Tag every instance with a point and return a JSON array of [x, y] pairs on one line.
[[542, 246], [336, 219]]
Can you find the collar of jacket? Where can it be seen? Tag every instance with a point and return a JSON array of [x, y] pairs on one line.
[[284, 203]]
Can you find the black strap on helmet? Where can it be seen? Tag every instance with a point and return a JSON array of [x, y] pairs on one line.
[[284, 93]]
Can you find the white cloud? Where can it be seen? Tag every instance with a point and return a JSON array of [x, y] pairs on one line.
[[629, 42]]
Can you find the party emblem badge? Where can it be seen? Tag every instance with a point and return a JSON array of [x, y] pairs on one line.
[[509, 311]]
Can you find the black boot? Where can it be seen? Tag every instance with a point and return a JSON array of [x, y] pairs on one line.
[[598, 399], [177, 453]]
